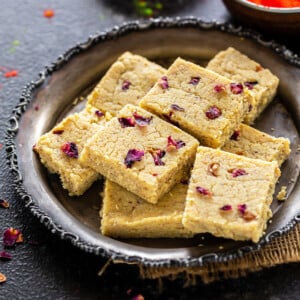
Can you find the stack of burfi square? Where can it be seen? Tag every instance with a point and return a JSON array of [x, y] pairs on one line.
[[141, 130], [260, 82]]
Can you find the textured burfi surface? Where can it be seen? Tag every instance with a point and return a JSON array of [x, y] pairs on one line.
[[262, 84], [201, 102], [140, 158], [59, 149], [126, 215], [126, 82], [229, 195], [253, 143]]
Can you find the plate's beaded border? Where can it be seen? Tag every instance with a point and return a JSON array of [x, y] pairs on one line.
[[100, 37]]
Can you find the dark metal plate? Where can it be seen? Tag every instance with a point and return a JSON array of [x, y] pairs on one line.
[[51, 97]]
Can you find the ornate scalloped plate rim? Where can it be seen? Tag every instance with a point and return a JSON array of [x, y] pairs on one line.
[[117, 31]]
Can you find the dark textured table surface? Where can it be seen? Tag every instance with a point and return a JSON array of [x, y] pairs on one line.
[[43, 266]]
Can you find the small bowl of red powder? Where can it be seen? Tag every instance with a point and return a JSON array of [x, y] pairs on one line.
[[275, 16]]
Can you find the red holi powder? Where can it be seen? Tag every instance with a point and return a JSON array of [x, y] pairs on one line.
[[12, 73], [49, 13], [277, 3]]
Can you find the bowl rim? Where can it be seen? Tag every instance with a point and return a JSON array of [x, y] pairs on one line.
[[268, 9], [100, 37]]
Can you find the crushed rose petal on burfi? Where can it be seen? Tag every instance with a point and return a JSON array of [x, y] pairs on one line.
[[213, 112], [132, 156], [203, 191], [226, 207], [163, 82], [236, 88], [127, 122], [157, 155], [177, 107], [237, 172], [174, 145], [125, 85], [194, 80], [140, 120], [70, 149]]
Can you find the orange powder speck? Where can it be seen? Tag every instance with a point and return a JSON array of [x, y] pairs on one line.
[[49, 13], [12, 73]]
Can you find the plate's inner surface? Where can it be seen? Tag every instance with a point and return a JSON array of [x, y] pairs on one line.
[[81, 214]]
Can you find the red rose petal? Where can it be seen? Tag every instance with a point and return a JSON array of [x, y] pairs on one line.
[[132, 156]]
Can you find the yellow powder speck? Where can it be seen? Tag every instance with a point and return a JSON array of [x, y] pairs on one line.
[[281, 196]]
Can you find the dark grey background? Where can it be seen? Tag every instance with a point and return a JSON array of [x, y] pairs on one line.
[[44, 266]]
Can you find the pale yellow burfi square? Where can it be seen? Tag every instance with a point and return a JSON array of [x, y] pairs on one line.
[[157, 167], [229, 195], [126, 82], [125, 215], [261, 83], [253, 143], [75, 129], [199, 101]]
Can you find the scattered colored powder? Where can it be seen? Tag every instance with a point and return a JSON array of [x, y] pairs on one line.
[[147, 8], [2, 278], [12, 73], [49, 13], [277, 3], [14, 45]]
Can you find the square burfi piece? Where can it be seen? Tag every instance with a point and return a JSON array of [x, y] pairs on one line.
[[126, 82], [253, 143], [260, 82], [140, 152], [201, 102], [229, 195], [125, 215], [60, 147]]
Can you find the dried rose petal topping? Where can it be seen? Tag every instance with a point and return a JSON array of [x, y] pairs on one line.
[[236, 88], [4, 203], [157, 155], [140, 120], [125, 85], [226, 208], [70, 149], [5, 255], [237, 172], [249, 216], [176, 107], [174, 145], [163, 82], [2, 278], [58, 131], [10, 236], [213, 169], [219, 88], [242, 208], [99, 113], [203, 191], [132, 156], [126, 122], [194, 80], [236, 134], [250, 84], [213, 112]]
